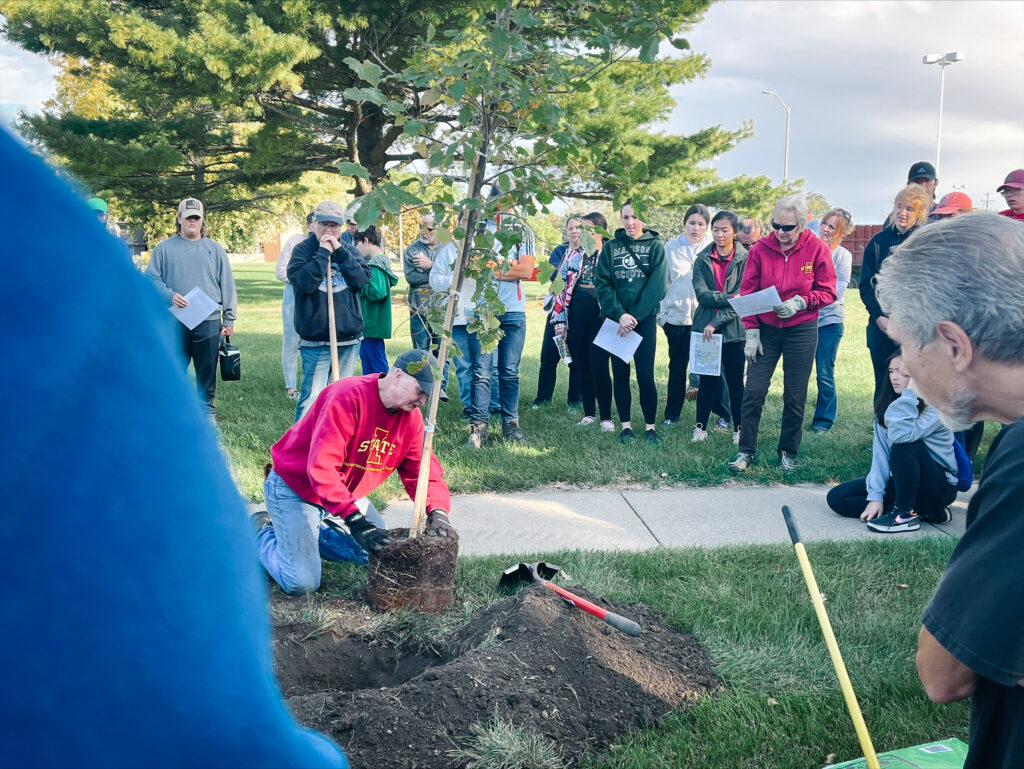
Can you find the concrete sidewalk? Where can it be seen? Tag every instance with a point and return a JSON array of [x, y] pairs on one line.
[[535, 522], [600, 519]]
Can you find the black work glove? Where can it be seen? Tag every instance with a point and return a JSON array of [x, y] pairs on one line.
[[366, 535], [438, 525]]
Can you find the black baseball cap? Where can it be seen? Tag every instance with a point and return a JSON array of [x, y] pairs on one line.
[[922, 170], [421, 361]]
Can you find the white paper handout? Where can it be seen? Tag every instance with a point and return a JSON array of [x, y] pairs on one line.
[[757, 302], [705, 357], [200, 307], [620, 346]]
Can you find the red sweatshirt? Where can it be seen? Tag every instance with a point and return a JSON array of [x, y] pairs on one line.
[[347, 444], [807, 270]]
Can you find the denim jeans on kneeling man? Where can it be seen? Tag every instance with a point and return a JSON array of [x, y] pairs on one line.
[[291, 549]]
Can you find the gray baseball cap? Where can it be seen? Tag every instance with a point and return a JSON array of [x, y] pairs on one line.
[[421, 361]]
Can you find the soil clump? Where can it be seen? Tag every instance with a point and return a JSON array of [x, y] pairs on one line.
[[531, 659], [416, 573]]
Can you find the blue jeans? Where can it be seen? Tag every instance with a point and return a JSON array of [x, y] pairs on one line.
[[463, 368], [422, 339], [825, 367], [480, 380], [372, 356], [510, 352], [289, 339], [290, 550], [316, 371], [495, 404]]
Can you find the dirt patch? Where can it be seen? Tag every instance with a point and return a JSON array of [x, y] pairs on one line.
[[530, 659], [417, 573]]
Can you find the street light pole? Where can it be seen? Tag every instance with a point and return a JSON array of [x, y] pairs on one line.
[[785, 167], [943, 61]]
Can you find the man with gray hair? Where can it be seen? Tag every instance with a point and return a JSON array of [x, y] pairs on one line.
[[419, 257], [954, 293], [750, 232]]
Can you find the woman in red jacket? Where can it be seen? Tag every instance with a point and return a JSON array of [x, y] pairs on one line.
[[799, 264]]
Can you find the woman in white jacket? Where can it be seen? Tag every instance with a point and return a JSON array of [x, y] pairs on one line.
[[676, 314]]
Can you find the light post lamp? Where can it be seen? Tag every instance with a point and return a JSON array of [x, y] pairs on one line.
[[785, 167], [943, 61]]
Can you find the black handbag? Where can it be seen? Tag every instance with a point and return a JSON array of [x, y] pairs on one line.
[[230, 361]]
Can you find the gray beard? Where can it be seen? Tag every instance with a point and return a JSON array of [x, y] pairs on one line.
[[956, 415]]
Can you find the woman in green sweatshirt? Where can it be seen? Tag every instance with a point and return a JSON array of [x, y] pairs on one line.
[[375, 298], [631, 280]]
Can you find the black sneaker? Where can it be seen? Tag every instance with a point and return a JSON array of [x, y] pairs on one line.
[[787, 462], [626, 436], [260, 520], [510, 432], [575, 408], [651, 436], [741, 463], [945, 515], [538, 404], [669, 422], [895, 521]]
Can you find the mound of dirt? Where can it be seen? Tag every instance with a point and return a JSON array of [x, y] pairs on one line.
[[531, 659]]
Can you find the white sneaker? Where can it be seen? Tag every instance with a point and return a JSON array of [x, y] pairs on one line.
[[699, 435], [736, 438]]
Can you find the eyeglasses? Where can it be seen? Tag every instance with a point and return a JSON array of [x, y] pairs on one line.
[[330, 225], [429, 229], [845, 214], [783, 227]]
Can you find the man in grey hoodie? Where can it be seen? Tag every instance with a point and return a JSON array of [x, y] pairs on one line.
[[191, 260]]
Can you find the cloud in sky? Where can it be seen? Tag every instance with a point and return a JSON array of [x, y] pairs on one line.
[[863, 105], [26, 79]]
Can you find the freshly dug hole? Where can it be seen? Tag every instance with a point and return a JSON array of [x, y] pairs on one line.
[[414, 573], [531, 660]]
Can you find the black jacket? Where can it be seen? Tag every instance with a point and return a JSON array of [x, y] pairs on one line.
[[875, 252], [307, 273], [713, 306]]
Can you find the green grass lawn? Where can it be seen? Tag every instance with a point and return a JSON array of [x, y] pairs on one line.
[[782, 705], [254, 413]]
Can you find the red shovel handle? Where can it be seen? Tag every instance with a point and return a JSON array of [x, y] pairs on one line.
[[617, 621]]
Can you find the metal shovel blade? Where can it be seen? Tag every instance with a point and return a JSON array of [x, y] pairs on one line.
[[520, 573]]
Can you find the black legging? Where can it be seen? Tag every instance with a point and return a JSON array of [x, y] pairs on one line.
[[644, 359], [880, 347], [917, 482], [733, 364], [678, 338], [584, 319]]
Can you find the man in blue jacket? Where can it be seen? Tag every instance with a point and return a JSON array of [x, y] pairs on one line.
[[144, 638], [307, 273]]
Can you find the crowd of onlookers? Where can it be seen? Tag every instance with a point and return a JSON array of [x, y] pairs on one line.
[[625, 281]]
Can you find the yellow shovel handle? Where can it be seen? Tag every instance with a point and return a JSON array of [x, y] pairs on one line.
[[830, 642]]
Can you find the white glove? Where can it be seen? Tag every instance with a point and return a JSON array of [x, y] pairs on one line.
[[752, 348], [790, 307]]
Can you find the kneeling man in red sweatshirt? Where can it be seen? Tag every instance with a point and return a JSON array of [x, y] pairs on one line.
[[359, 431]]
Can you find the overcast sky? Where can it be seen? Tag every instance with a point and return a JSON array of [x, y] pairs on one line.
[[863, 105]]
